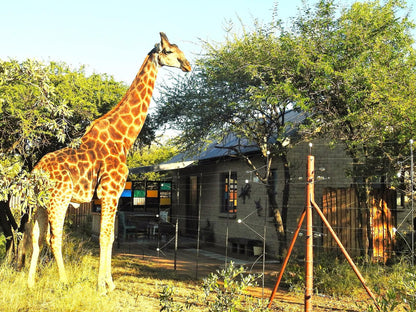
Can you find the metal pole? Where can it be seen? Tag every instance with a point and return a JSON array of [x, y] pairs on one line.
[[264, 260], [176, 242], [228, 217], [266, 211], [309, 235], [199, 224]]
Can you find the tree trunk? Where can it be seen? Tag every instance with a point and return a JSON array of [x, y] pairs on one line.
[[278, 223], [362, 191], [285, 202]]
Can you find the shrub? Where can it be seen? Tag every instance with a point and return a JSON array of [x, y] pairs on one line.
[[2, 246], [226, 290]]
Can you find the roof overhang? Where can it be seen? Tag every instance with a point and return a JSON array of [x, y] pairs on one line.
[[162, 167]]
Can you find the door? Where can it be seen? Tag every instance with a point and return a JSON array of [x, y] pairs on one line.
[[192, 204]]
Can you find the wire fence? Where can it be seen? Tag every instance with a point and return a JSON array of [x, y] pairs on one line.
[[384, 231]]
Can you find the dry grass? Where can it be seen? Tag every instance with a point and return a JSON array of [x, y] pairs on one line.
[[138, 285]]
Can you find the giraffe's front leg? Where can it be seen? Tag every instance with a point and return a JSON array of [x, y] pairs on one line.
[[108, 211], [57, 224]]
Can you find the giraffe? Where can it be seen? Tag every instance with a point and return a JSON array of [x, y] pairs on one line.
[[98, 166]]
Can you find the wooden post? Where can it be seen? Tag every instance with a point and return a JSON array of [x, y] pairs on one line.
[[309, 234]]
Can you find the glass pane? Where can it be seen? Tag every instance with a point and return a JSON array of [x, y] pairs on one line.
[[126, 193], [165, 186], [139, 193]]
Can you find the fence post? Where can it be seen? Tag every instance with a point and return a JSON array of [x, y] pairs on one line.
[[309, 234], [176, 243]]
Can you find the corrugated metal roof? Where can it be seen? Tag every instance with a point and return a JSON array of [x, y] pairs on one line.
[[218, 150]]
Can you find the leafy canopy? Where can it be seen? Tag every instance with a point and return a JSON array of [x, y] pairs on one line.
[[352, 70], [44, 107]]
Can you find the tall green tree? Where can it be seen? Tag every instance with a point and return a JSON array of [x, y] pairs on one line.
[[239, 89], [351, 70], [44, 107], [354, 73]]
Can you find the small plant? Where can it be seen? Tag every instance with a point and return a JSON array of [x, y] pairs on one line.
[[166, 300], [399, 290], [226, 290], [294, 278], [387, 302], [2, 246], [167, 303]]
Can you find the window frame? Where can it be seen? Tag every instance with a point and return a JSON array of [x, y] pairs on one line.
[[229, 192]]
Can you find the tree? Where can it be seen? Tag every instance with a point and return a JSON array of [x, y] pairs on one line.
[[151, 155], [351, 70], [238, 88], [44, 107], [355, 75], [30, 116]]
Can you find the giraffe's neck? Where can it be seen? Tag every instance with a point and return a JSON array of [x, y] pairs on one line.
[[123, 123]]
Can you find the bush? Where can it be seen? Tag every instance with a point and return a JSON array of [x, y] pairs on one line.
[[398, 287], [394, 286], [225, 291], [327, 272]]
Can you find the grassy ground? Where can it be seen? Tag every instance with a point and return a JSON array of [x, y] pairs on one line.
[[138, 289], [139, 283]]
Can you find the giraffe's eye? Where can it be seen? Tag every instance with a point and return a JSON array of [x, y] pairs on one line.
[[167, 51]]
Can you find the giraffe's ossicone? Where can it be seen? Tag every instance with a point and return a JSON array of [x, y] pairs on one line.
[[98, 165]]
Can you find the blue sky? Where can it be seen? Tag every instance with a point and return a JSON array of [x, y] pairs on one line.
[[113, 37]]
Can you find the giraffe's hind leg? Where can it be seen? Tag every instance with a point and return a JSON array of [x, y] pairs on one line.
[[37, 232], [56, 221]]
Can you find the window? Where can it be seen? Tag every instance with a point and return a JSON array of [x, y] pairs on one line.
[[229, 192]]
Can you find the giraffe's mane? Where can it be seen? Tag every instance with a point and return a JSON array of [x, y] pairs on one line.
[[115, 108]]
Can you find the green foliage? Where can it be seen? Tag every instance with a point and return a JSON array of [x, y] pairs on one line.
[[44, 107], [226, 290], [393, 286], [30, 188], [2, 246], [327, 274], [236, 88], [149, 156], [31, 116], [169, 305], [354, 73]]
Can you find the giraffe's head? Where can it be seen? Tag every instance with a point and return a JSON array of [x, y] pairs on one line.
[[170, 55]]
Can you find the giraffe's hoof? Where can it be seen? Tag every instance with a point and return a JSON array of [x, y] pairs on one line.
[[111, 286], [64, 281], [101, 289]]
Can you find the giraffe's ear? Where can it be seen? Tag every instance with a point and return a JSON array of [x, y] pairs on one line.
[[164, 39]]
